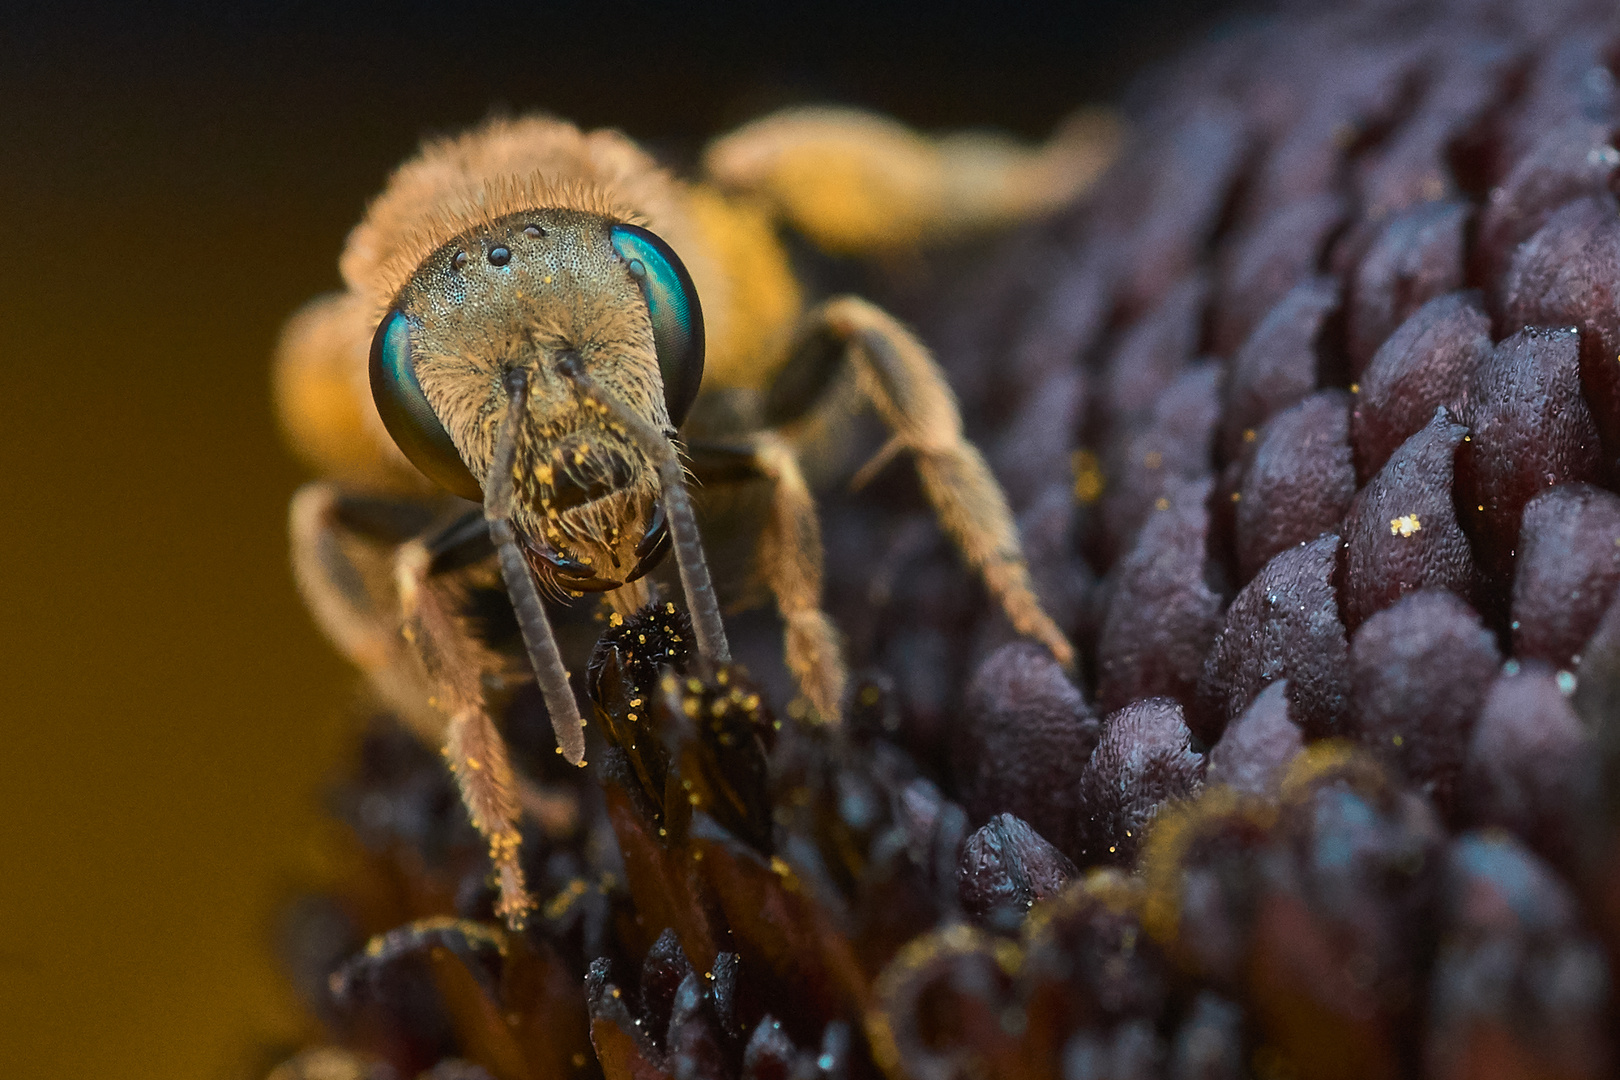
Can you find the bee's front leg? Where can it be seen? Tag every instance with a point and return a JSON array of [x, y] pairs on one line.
[[380, 576], [457, 664], [897, 374]]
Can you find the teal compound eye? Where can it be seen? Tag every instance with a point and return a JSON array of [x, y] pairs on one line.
[[677, 318], [408, 416]]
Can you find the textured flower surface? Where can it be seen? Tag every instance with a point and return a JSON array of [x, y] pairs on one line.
[[1311, 414]]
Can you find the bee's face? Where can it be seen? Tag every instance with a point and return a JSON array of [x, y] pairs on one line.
[[528, 291]]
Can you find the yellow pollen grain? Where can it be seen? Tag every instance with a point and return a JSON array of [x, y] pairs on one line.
[[615, 619], [1088, 476], [1355, 388], [1161, 503], [1405, 525], [1248, 434], [1153, 459], [1237, 496]]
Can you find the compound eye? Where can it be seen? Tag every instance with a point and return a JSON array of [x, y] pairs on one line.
[[677, 319], [408, 416]]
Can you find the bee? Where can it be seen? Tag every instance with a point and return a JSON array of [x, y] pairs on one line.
[[533, 315]]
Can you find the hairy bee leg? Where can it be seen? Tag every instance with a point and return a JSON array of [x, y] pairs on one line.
[[347, 580], [333, 587], [714, 651], [397, 619], [898, 375], [456, 662], [790, 560], [856, 183]]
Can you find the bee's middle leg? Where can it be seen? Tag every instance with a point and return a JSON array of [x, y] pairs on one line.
[[898, 375], [789, 555]]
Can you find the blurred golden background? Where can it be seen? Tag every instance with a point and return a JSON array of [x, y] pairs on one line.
[[176, 179]]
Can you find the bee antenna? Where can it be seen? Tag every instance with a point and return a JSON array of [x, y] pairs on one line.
[[531, 616], [713, 649]]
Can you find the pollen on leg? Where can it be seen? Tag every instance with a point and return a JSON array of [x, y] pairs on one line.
[[479, 761]]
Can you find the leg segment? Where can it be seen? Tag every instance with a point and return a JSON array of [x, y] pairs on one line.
[[896, 373], [394, 608], [343, 563], [456, 663], [790, 561], [857, 183]]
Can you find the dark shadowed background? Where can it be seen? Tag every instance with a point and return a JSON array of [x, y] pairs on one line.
[[175, 178]]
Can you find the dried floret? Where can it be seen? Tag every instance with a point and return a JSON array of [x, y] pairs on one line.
[[1143, 760], [1073, 296], [1147, 359], [1568, 569], [1036, 450], [1419, 672], [1006, 867], [1420, 160], [1262, 264], [1181, 187], [1299, 483], [1132, 1051], [1517, 984], [1173, 445], [1530, 430], [1572, 161], [1383, 563], [938, 1008], [1284, 624], [1571, 76], [1531, 766], [1568, 275], [1201, 867], [1364, 91], [1161, 613], [1426, 363], [1088, 962], [1416, 257], [1028, 736], [1209, 1043], [1277, 365], [1342, 920], [1255, 749]]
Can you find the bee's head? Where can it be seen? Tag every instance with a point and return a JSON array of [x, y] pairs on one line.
[[536, 290]]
